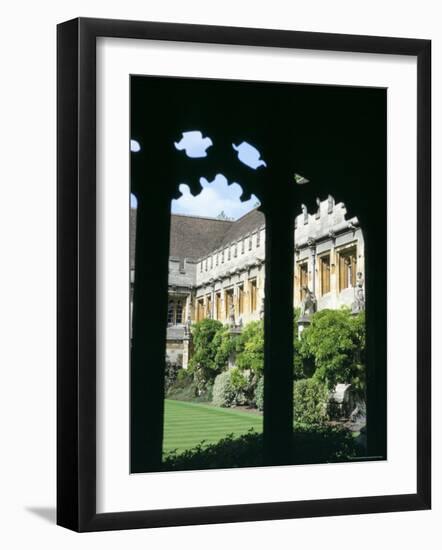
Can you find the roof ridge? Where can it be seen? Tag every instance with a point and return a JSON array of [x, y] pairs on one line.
[[246, 214], [202, 218]]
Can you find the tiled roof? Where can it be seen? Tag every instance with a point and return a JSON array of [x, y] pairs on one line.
[[242, 226], [193, 237]]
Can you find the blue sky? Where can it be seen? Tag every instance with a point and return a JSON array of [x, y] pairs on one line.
[[216, 196]]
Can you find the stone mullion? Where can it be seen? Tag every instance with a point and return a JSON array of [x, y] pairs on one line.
[[148, 347], [247, 295], [188, 308], [213, 305], [314, 267], [376, 342], [278, 332], [333, 272]]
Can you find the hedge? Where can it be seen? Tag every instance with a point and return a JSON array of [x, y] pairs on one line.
[[311, 445]]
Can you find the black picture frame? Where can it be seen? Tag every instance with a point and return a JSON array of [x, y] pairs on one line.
[[76, 274]]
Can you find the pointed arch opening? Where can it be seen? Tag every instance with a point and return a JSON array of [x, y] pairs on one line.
[[216, 273], [329, 317]]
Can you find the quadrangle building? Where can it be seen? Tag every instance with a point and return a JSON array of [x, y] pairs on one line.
[[217, 268]]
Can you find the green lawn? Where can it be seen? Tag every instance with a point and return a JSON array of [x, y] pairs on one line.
[[187, 424]]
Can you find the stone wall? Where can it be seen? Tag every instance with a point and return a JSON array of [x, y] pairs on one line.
[[237, 256], [182, 272], [328, 235], [236, 268], [323, 234], [245, 285], [175, 351]]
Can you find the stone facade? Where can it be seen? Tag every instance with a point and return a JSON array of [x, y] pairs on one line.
[[217, 268], [329, 253]]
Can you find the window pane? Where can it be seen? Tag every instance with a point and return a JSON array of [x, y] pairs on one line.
[[325, 274], [179, 313]]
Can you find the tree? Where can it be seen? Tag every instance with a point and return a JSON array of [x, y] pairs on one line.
[[210, 352], [223, 216], [250, 348], [335, 342], [223, 345]]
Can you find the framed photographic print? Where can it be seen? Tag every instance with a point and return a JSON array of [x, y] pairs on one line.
[[243, 274]]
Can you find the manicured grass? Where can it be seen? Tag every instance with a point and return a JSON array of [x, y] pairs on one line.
[[187, 424]]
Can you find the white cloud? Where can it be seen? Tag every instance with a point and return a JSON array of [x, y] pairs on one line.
[[135, 147], [216, 197]]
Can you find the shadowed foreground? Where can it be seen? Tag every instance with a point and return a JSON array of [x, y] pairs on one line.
[[199, 437]]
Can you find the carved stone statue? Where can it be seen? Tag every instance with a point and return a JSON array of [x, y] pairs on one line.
[[308, 304], [304, 212], [359, 303], [232, 316], [188, 325], [261, 309], [318, 211], [330, 204]]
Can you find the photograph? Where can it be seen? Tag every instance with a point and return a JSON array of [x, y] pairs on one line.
[[243, 274], [226, 158]]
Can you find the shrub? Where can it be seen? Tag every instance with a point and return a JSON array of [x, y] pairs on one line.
[[223, 390], [184, 389], [259, 394], [233, 387], [311, 445], [321, 444], [170, 375], [241, 385], [310, 401], [230, 452], [183, 377]]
